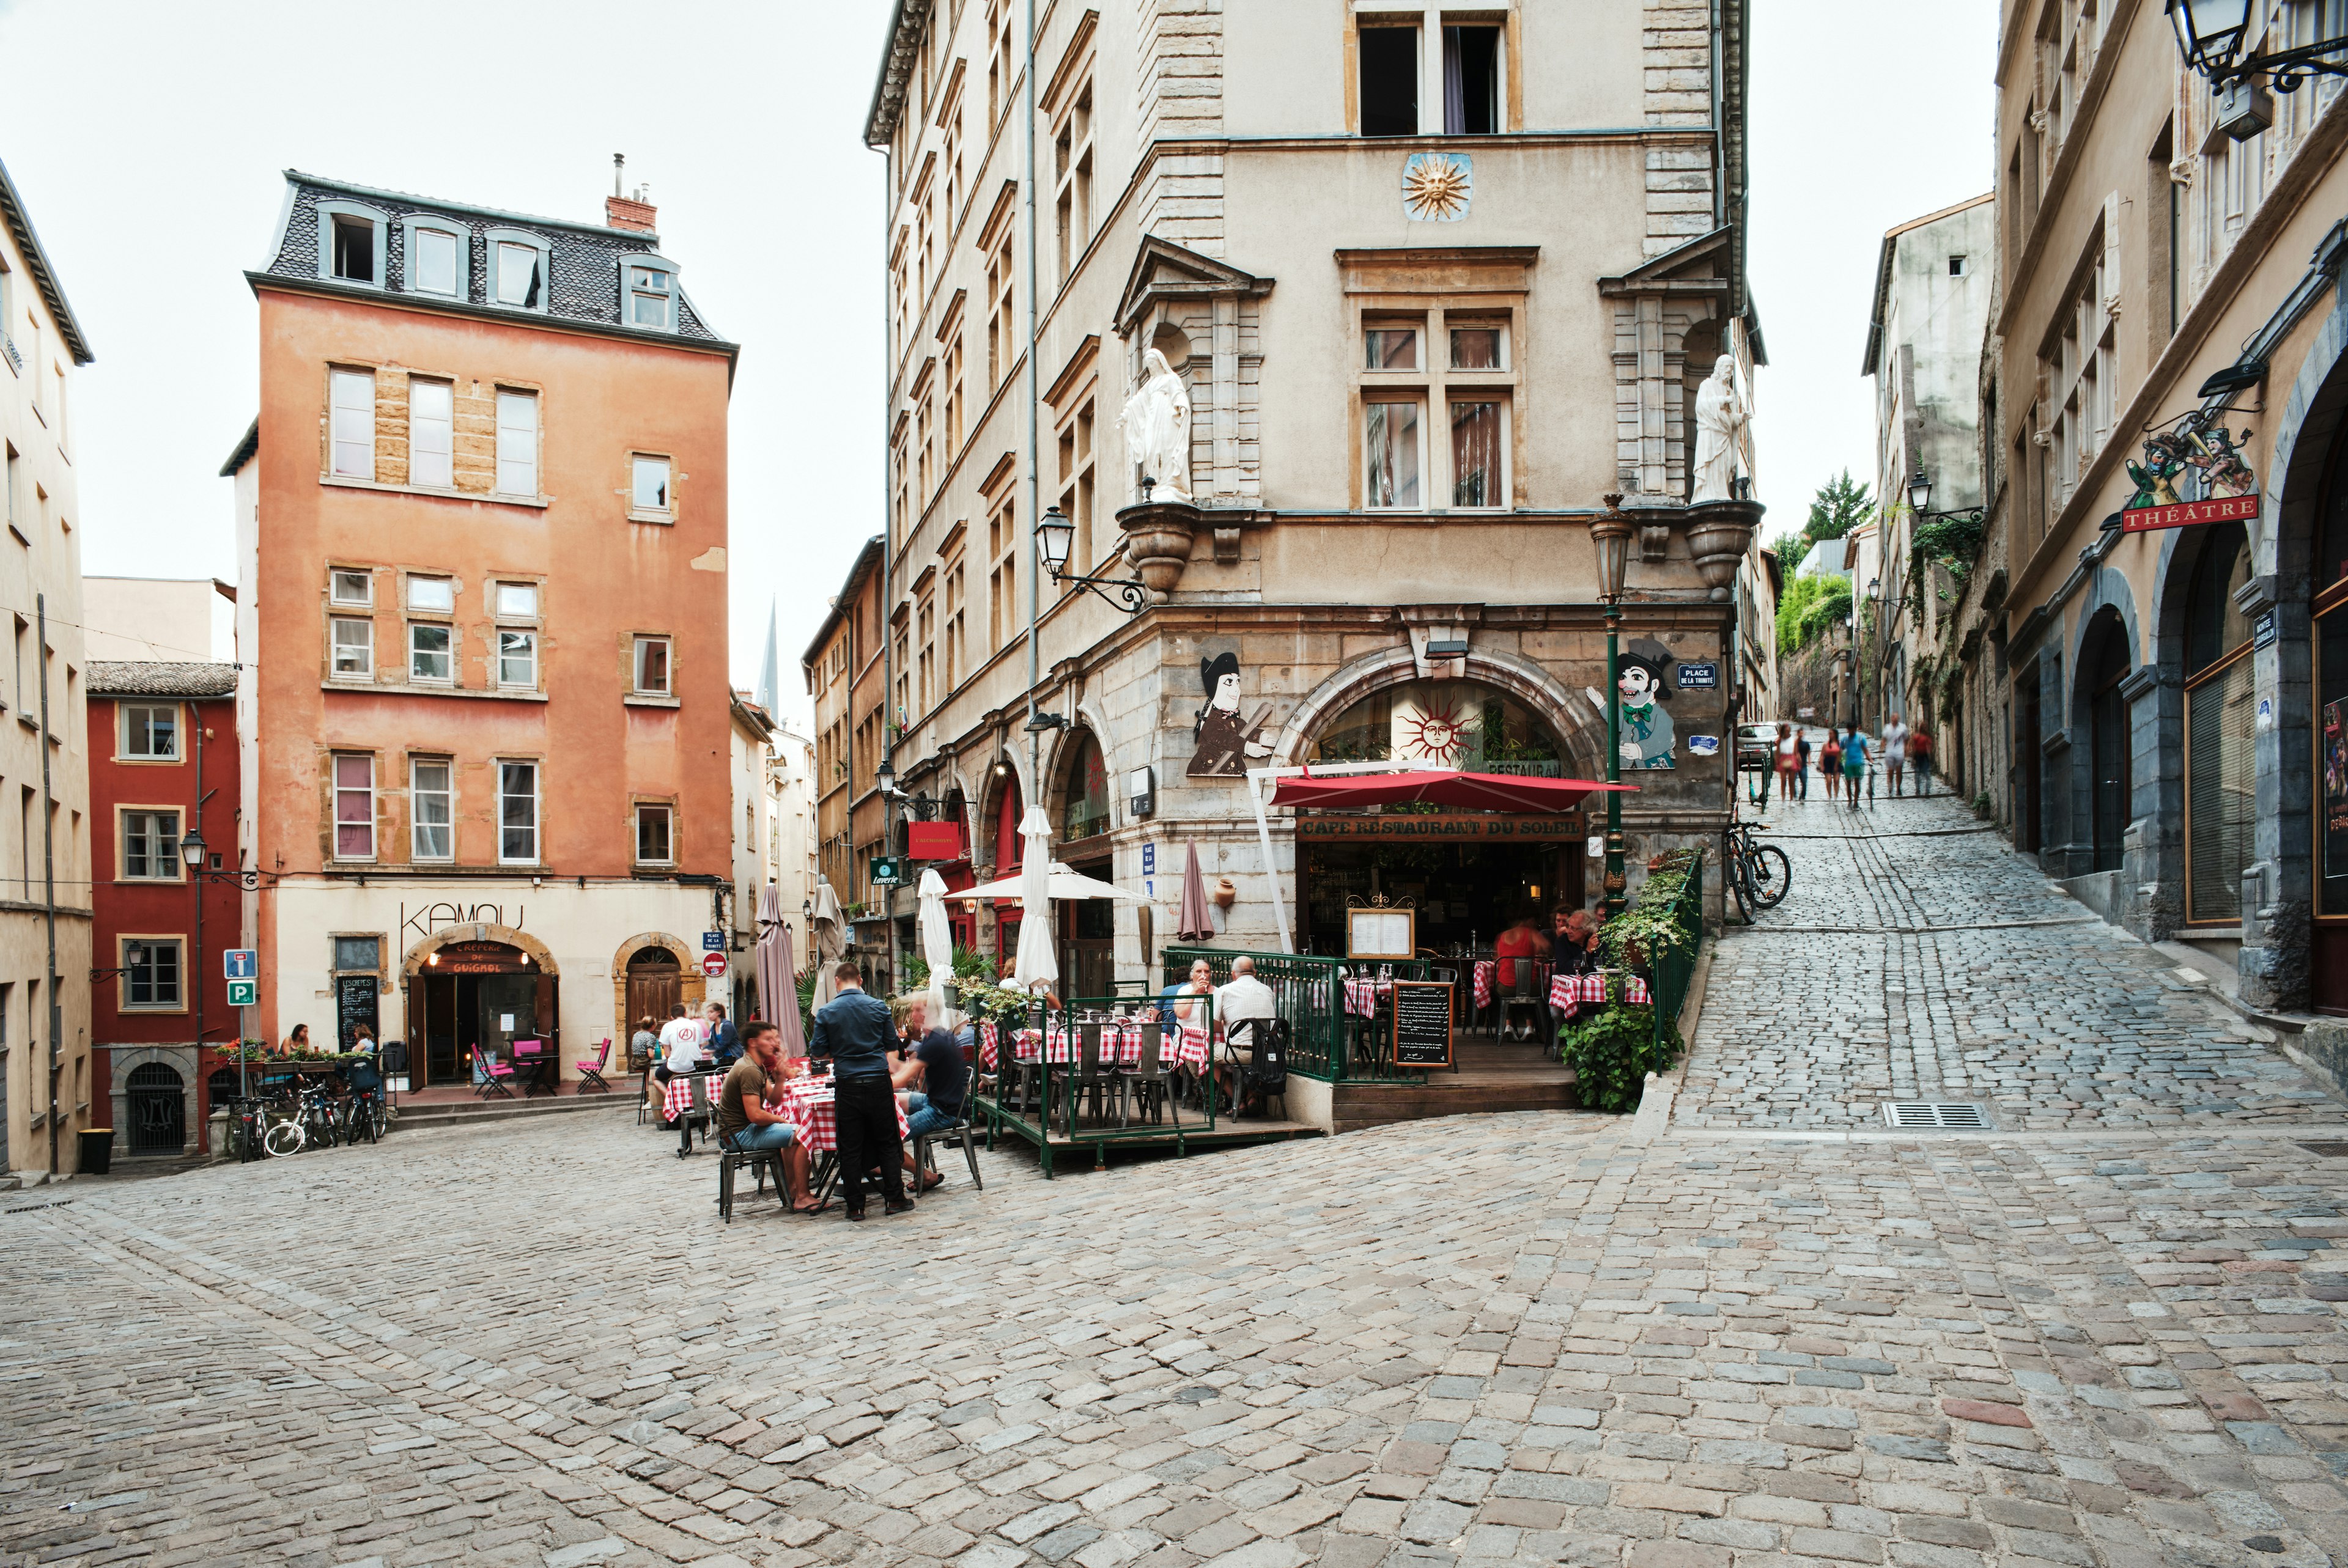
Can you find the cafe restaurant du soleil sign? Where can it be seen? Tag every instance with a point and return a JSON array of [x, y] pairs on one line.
[[1424, 827]]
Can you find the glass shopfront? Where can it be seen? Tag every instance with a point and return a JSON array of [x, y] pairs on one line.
[[2328, 963], [2220, 763]]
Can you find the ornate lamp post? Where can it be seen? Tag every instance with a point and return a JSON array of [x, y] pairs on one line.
[[1054, 534], [1609, 531]]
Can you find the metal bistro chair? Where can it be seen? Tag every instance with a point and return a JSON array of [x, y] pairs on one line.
[[1150, 1082], [493, 1074], [959, 1131], [1090, 1076], [591, 1070], [731, 1160], [701, 1115]]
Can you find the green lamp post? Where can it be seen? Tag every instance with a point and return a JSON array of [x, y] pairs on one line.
[[1610, 532]]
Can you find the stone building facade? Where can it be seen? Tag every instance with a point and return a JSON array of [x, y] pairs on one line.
[[2159, 626], [1432, 286], [47, 1088]]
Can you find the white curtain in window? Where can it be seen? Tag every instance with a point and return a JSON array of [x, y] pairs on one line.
[[432, 803], [1476, 454], [1390, 440], [355, 808], [517, 443], [518, 811], [431, 432], [1455, 85]]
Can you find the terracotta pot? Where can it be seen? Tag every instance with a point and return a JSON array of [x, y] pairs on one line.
[[1227, 892]]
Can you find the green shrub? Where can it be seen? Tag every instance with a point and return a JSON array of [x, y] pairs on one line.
[[1612, 1052]]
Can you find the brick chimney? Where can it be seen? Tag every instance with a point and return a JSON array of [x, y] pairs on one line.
[[620, 212]]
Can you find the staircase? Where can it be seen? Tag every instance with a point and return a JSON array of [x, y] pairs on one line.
[[1509, 1075]]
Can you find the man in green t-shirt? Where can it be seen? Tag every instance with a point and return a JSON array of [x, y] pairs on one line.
[[747, 1124]]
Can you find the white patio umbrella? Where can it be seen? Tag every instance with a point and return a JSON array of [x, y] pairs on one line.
[[1035, 967], [937, 946], [1062, 887], [829, 937]]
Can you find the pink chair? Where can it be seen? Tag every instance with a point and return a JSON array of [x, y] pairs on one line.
[[592, 1072], [493, 1074], [535, 1066]]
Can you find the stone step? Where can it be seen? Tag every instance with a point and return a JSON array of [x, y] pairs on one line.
[[1358, 1105], [465, 1112]]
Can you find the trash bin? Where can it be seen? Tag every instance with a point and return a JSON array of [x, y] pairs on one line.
[[96, 1151]]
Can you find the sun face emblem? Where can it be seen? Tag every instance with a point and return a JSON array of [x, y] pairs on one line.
[[1435, 187], [1438, 733]]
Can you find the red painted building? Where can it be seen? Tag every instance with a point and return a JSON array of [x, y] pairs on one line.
[[162, 761]]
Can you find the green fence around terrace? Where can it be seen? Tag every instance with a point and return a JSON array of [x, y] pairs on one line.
[[1670, 974], [1309, 992]]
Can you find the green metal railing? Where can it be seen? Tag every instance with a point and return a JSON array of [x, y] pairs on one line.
[[1309, 992], [1671, 973]]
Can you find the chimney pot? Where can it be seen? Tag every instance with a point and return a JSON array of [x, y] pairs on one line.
[[620, 212]]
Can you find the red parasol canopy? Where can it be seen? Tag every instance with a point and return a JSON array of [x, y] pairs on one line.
[[1474, 792]]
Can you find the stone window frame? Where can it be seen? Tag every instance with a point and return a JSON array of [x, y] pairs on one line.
[[327, 212], [1436, 386], [637, 807], [178, 872], [442, 759], [651, 260], [123, 754], [545, 249], [335, 824], [410, 223], [537, 766], [123, 942], [1430, 20]]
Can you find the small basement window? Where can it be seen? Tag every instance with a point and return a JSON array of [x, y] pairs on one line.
[[1958, 267]]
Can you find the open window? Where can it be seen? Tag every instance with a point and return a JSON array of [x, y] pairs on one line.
[[1389, 78], [521, 266], [351, 243], [1472, 80]]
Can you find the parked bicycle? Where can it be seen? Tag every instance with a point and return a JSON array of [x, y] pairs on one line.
[[1760, 873]]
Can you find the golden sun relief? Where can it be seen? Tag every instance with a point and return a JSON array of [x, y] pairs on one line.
[[1437, 186]]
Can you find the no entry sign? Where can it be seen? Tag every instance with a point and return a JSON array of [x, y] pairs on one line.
[[713, 965]]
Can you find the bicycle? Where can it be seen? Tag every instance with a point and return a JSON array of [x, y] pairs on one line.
[[1760, 873], [247, 1127]]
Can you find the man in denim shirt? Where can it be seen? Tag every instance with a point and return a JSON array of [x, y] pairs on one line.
[[855, 1030]]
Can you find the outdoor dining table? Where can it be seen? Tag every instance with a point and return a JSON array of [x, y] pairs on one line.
[[679, 1099], [1567, 993], [810, 1105]]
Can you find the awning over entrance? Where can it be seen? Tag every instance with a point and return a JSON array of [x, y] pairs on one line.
[[1478, 791]]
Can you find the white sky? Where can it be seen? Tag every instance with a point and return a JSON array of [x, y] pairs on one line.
[[148, 138], [1865, 113], [150, 151]]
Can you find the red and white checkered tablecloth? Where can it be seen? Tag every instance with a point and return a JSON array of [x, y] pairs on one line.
[[1566, 990], [1362, 996], [679, 1099], [810, 1105], [1485, 971], [1185, 1046]]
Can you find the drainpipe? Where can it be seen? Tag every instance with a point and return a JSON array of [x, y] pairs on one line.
[[1035, 396], [50, 878]]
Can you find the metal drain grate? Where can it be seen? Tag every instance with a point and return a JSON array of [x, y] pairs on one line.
[[1948, 1115], [2329, 1150]]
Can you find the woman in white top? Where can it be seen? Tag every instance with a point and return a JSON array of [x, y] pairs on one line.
[[1201, 983]]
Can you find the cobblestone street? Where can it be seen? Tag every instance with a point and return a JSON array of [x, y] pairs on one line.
[[1764, 1334]]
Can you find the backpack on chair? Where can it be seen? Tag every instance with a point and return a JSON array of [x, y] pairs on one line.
[[1265, 1078]]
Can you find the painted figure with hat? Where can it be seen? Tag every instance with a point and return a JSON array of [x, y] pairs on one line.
[[1226, 742], [1646, 728]]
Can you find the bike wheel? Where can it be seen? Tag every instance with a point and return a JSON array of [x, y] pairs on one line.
[[284, 1138], [378, 1121], [1770, 874]]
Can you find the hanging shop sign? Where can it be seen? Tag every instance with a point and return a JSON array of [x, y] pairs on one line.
[[1451, 827], [934, 840], [2193, 472]]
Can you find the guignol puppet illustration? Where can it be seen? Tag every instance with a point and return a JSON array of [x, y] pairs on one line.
[[1646, 729], [1226, 743]]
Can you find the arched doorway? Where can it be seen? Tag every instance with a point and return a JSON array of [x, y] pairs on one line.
[[2103, 664], [656, 983], [1464, 885], [2328, 578], [2220, 754], [157, 1101], [476, 986], [1008, 854]]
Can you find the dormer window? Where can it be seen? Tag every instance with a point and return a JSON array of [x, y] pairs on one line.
[[437, 257], [351, 243], [648, 294], [355, 249], [521, 270]]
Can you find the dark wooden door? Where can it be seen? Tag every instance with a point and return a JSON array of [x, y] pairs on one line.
[[2026, 764]]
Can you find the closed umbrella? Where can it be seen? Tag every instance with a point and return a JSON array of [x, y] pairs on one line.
[[777, 979], [1196, 923], [830, 936], [937, 944], [1035, 967]]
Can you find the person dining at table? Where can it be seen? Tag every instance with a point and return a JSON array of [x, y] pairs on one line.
[[932, 1059], [680, 1044], [854, 1033], [1241, 998], [747, 1122], [1518, 950], [723, 1041]]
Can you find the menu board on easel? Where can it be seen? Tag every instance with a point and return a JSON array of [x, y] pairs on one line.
[[1381, 933], [1422, 1023]]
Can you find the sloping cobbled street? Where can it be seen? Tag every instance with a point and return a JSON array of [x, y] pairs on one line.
[[2107, 1333]]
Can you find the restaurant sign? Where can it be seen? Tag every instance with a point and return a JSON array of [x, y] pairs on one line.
[[1460, 826]]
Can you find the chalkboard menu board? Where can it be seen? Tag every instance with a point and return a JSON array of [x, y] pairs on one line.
[[354, 1004], [1422, 1023]]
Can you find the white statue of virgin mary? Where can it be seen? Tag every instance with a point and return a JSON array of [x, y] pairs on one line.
[[1156, 425], [1720, 420]]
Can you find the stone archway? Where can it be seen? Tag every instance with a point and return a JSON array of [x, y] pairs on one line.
[[122, 1060], [419, 956], [1583, 738], [692, 988]]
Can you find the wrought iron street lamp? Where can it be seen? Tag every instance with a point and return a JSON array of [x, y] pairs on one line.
[[1054, 535], [2212, 34], [193, 853], [1610, 532]]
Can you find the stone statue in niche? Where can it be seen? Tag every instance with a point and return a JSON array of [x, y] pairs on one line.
[[1226, 742], [1156, 425], [1720, 421]]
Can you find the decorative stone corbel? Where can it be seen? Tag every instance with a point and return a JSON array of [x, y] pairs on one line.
[[1157, 536], [1655, 541], [1718, 535], [1226, 546]]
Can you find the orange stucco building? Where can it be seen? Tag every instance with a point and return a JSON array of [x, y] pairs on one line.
[[486, 722]]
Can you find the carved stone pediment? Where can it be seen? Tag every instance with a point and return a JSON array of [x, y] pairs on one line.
[[1163, 271]]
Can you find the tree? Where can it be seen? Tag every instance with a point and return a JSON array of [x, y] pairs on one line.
[[1841, 505]]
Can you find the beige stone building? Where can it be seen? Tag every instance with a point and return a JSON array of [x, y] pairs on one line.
[[1428, 284], [2156, 633], [45, 912]]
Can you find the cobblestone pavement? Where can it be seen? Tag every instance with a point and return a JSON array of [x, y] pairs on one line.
[[1529, 1338], [1916, 956]]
